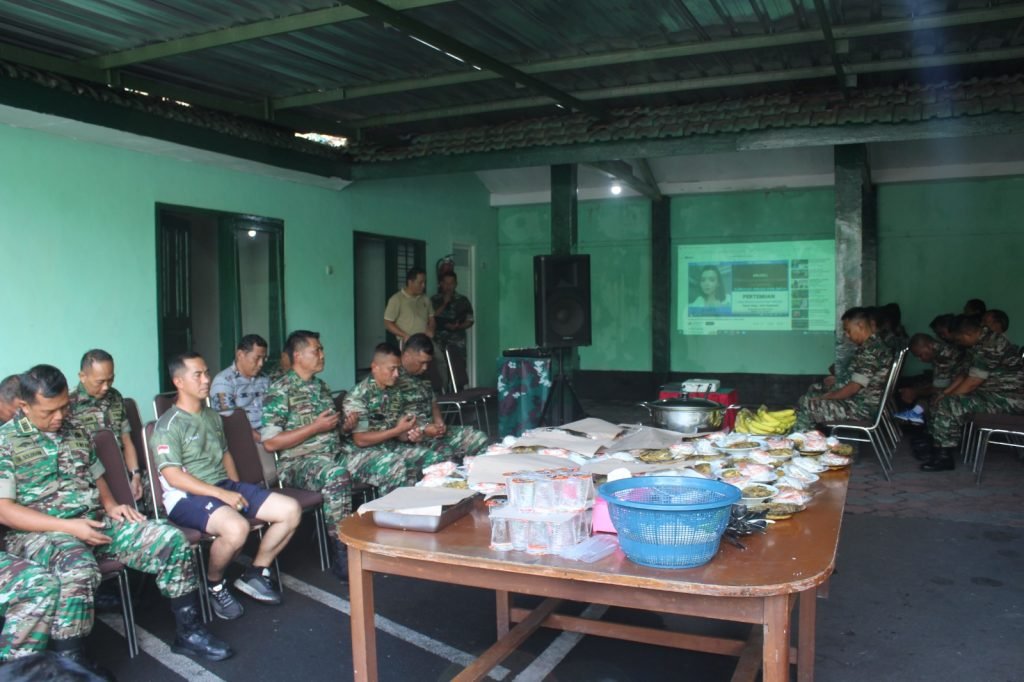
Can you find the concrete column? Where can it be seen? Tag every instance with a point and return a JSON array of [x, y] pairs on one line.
[[564, 214]]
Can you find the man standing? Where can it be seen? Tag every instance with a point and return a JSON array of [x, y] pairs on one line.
[[455, 442], [63, 516], [993, 384], [96, 404], [453, 315], [8, 398], [408, 312], [387, 454], [869, 370], [242, 386], [301, 424], [202, 491]]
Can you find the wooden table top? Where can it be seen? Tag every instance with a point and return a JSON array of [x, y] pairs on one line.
[[794, 555]]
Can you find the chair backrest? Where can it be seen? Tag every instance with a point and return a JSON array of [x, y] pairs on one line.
[[116, 475], [163, 402], [890, 384], [238, 433], [131, 411], [155, 487]]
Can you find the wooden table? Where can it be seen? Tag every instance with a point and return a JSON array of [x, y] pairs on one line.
[[759, 585]]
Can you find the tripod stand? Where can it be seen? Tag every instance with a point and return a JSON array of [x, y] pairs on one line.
[[562, 405]]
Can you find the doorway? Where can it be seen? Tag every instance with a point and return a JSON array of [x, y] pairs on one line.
[[219, 276], [381, 264]]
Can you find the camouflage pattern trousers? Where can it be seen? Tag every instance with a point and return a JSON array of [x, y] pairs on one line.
[[28, 602], [392, 464], [948, 416], [812, 409], [326, 476], [147, 546], [458, 442]]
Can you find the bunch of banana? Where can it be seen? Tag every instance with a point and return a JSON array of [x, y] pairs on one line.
[[763, 422]]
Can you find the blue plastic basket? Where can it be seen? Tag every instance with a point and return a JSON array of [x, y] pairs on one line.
[[669, 521]]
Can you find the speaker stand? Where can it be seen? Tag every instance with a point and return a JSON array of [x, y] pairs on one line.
[[562, 405]]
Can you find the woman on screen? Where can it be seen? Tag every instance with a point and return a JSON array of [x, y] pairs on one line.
[[712, 290]]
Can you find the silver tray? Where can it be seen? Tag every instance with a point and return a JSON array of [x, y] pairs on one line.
[[426, 524]]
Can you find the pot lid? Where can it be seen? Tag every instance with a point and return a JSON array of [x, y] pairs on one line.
[[696, 404]]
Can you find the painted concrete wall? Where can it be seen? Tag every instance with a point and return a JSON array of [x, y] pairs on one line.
[[77, 238]]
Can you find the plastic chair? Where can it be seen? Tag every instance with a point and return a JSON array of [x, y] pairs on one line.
[[131, 411], [116, 475], [476, 396], [882, 440], [238, 433]]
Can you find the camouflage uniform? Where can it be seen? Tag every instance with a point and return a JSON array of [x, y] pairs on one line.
[[459, 309], [231, 389], [55, 473], [392, 463], [997, 362], [318, 463], [870, 368], [896, 341], [845, 350], [28, 601], [418, 398], [947, 363]]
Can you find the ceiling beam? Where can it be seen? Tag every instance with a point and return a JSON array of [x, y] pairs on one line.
[[784, 138], [471, 55], [751, 78], [237, 34], [623, 172], [830, 42], [1001, 13]]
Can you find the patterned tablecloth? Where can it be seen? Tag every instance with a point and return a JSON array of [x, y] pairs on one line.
[[523, 387]]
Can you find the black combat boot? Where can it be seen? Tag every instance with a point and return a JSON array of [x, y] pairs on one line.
[[339, 564], [191, 636], [944, 460], [922, 447], [73, 649]]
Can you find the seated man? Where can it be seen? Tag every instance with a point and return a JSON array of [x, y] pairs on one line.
[[418, 398], [869, 370], [96, 404], [202, 490], [993, 384], [28, 602], [386, 454], [63, 516], [242, 386], [996, 320], [8, 398], [944, 357], [301, 424]]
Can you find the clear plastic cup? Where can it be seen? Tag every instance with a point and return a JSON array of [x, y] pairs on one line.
[[519, 531], [537, 540]]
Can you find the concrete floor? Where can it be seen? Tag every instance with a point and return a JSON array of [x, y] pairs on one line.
[[930, 586]]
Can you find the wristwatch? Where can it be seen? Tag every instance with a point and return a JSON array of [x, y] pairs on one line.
[[136, 472]]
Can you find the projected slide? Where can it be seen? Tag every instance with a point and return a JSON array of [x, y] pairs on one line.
[[764, 286]]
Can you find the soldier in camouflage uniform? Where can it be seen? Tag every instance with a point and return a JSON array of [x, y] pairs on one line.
[[8, 398], [869, 371], [385, 454], [453, 315], [28, 601], [96, 404], [301, 424], [454, 442], [63, 517], [993, 385]]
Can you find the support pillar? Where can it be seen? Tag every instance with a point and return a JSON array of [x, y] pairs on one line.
[[564, 213], [856, 236], [661, 289]]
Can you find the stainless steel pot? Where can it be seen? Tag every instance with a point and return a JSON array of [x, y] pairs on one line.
[[687, 415]]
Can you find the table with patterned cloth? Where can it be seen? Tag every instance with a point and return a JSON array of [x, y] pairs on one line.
[[524, 384]]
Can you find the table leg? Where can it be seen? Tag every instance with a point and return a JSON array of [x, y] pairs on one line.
[[364, 635], [805, 637], [775, 660], [503, 609]]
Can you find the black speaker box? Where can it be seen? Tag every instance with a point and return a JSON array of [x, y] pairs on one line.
[[561, 300]]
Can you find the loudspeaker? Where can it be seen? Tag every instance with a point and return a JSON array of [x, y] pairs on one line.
[[561, 300]]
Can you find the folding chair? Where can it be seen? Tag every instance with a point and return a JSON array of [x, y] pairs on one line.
[[116, 475], [980, 430], [163, 402], [476, 396], [882, 440], [238, 433]]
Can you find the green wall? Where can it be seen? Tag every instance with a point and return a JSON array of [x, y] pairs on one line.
[[77, 234], [616, 235], [751, 217]]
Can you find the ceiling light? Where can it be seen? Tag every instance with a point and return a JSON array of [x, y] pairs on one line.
[[616, 189], [252, 234]]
